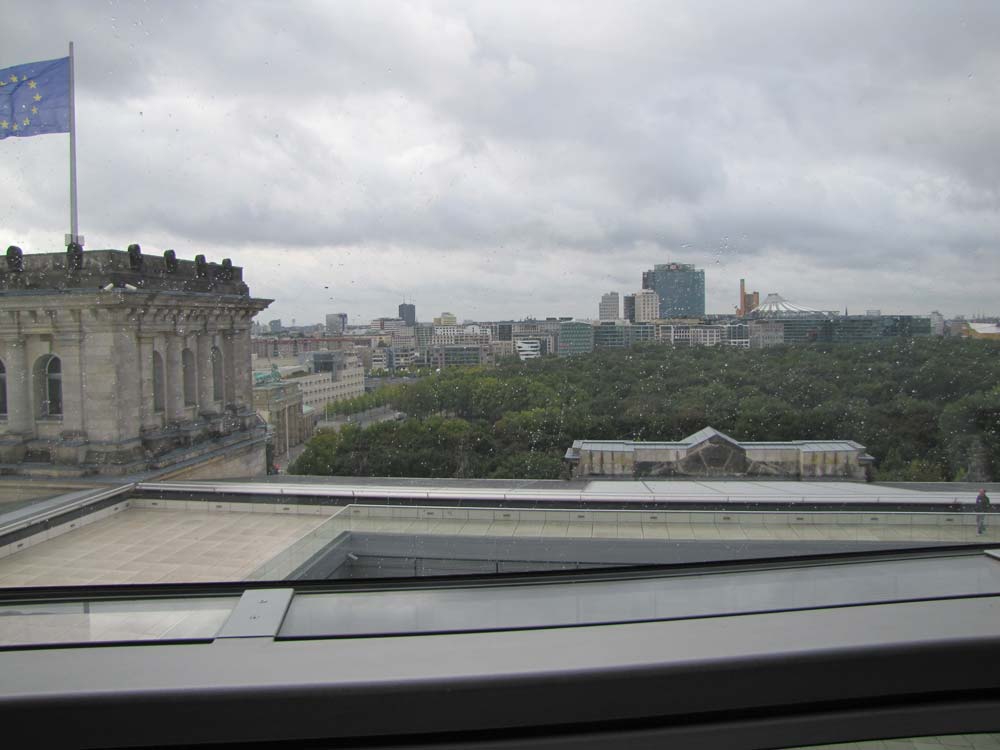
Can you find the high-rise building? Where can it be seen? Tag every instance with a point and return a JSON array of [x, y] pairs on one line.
[[609, 309], [628, 303], [336, 323], [937, 324], [681, 288], [748, 301], [274, 326], [408, 312], [647, 306]]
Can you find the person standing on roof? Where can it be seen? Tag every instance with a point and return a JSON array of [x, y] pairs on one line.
[[982, 508]]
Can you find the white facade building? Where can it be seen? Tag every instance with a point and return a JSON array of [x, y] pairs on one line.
[[528, 349], [647, 306]]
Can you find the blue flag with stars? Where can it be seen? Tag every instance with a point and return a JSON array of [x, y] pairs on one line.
[[34, 98]]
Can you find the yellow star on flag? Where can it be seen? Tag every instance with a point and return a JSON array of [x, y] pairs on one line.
[[13, 78], [32, 85], [26, 122], [37, 97], [34, 110], [15, 127], [3, 124]]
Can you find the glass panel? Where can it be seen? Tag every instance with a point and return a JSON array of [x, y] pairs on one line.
[[103, 621], [943, 742], [582, 603]]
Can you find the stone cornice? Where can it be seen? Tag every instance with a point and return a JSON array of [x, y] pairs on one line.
[[116, 309]]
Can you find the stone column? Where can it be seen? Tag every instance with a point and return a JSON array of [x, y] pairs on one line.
[[150, 419], [67, 347], [99, 379], [242, 369], [128, 386], [203, 353], [228, 368], [20, 407], [174, 376]]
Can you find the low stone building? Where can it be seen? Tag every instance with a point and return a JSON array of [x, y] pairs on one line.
[[710, 453], [279, 404], [117, 362]]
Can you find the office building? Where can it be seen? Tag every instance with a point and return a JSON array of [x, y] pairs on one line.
[[575, 337], [268, 347], [680, 287], [611, 334], [628, 305], [387, 324], [423, 333], [748, 300], [937, 323], [334, 376], [647, 306], [528, 349], [446, 319], [503, 331], [336, 323], [765, 333], [408, 313], [609, 309], [459, 355]]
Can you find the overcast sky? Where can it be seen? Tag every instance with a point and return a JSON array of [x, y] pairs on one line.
[[506, 159]]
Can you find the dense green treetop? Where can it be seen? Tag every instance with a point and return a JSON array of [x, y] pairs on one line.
[[927, 409]]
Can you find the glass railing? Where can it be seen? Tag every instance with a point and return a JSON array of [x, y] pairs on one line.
[[133, 620]]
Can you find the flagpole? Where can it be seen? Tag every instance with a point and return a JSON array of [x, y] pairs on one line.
[[73, 226]]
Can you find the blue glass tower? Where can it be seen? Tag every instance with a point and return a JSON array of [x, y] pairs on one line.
[[681, 288]]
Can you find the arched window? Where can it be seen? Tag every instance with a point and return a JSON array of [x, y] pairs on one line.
[[48, 386], [190, 381], [158, 384], [217, 382], [3, 389]]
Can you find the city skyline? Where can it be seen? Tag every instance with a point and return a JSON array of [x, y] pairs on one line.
[[507, 162]]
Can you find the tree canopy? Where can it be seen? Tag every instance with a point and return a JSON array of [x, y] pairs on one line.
[[927, 409]]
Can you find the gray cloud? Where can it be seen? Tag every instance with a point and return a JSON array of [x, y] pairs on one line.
[[504, 158]]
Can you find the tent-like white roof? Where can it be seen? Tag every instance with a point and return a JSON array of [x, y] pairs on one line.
[[776, 306]]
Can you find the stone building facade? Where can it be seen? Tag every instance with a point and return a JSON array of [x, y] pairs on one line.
[[119, 362], [710, 453], [279, 403]]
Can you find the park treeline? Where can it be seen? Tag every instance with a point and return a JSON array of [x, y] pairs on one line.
[[926, 409]]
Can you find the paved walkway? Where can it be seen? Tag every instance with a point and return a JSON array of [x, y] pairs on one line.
[[157, 546]]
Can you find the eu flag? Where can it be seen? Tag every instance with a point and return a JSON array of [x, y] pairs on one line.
[[34, 98]]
